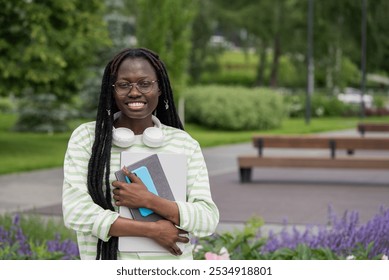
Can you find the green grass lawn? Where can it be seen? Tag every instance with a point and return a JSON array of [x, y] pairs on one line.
[[29, 151], [21, 152], [208, 137]]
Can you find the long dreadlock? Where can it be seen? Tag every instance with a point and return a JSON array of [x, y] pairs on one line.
[[99, 163]]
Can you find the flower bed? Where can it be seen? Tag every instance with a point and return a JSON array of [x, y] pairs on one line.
[[16, 244], [342, 238]]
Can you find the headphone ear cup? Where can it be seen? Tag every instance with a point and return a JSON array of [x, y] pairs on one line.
[[153, 137], [123, 137]]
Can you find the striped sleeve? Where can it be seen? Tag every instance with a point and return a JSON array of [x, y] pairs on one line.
[[80, 212]]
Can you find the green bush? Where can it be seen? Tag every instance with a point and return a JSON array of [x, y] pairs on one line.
[[42, 113], [234, 108], [6, 105], [380, 101], [88, 98], [322, 105]]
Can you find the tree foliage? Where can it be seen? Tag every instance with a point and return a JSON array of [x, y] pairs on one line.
[[46, 46], [166, 27], [281, 27], [274, 25], [202, 55]]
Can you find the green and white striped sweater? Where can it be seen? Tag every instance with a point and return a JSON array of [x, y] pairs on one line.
[[198, 215]]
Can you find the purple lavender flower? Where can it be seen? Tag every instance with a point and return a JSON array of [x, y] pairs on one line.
[[68, 248], [20, 245], [342, 236], [16, 236], [5, 236]]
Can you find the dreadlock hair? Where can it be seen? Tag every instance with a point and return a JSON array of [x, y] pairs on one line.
[[99, 163]]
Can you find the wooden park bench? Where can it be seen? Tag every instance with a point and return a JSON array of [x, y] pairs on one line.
[[372, 127], [332, 144]]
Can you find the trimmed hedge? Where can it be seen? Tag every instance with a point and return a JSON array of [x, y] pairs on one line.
[[234, 108]]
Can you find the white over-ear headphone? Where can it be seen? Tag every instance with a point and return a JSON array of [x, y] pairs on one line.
[[152, 136]]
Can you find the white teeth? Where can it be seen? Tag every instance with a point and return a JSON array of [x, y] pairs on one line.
[[135, 104]]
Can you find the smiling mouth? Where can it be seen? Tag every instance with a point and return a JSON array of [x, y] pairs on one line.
[[136, 105]]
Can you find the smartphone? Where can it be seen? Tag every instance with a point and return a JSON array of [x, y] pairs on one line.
[[144, 174]]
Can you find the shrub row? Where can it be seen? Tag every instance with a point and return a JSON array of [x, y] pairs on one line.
[[328, 105], [322, 105], [234, 108]]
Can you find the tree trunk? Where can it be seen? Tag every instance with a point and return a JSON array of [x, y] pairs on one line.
[[259, 81], [276, 59]]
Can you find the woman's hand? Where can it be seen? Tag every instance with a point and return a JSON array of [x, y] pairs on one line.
[[164, 232], [132, 195], [167, 235], [136, 195]]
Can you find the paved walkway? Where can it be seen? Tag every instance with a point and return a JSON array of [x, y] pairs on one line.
[[300, 196]]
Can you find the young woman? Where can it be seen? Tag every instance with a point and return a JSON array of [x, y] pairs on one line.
[[136, 95]]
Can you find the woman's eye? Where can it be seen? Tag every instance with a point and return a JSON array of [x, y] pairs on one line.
[[144, 84], [124, 85]]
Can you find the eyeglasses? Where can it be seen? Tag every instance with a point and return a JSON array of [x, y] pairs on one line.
[[123, 88]]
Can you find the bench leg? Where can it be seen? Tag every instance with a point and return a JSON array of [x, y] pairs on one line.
[[245, 175]]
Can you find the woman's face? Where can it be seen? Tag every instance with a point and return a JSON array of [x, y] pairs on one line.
[[136, 102]]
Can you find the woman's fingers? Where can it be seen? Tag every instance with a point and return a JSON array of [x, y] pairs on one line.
[[176, 250], [181, 231], [182, 239], [132, 176]]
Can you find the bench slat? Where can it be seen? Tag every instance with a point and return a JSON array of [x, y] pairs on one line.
[[311, 142], [312, 162], [373, 127], [291, 142]]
